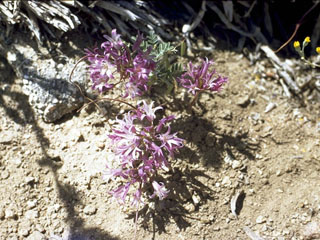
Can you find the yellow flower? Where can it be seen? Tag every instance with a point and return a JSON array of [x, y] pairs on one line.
[[307, 39], [318, 50], [296, 44]]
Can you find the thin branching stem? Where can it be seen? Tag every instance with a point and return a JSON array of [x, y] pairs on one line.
[[296, 28]]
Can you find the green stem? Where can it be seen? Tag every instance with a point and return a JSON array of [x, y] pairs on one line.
[[314, 65]]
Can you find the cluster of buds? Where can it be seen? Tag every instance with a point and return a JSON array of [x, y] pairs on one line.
[[300, 50], [140, 148]]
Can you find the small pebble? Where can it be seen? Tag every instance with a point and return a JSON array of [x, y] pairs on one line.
[[190, 208], [40, 228], [236, 164], [260, 219], [264, 181], [36, 236], [29, 180], [226, 181], [89, 210], [5, 175], [32, 203], [196, 199], [243, 101], [24, 232], [32, 214], [9, 214], [269, 107]]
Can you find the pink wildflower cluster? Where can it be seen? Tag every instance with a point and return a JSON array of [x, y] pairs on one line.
[[116, 63], [139, 149], [199, 79]]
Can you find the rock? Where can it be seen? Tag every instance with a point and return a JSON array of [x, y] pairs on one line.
[[265, 181], [190, 207], [260, 219], [40, 228], [226, 114], [5, 174], [18, 162], [236, 164], [29, 180], [24, 232], [270, 107], [312, 230], [32, 214], [89, 210], [244, 101], [7, 137], [36, 236], [32, 203], [226, 181], [48, 88], [9, 214], [196, 199], [56, 207]]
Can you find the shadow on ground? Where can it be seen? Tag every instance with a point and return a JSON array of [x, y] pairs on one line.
[[24, 115]]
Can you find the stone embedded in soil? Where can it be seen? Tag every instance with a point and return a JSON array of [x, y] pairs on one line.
[[47, 87], [32, 203], [226, 181], [312, 230], [32, 214], [10, 214], [7, 137], [36, 236], [5, 174], [18, 162], [264, 181], [270, 107], [226, 114], [40, 228], [260, 219], [24, 232], [196, 199], [244, 101], [190, 207], [89, 210], [236, 164], [29, 180]]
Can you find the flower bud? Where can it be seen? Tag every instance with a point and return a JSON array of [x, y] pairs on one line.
[[296, 44], [307, 39]]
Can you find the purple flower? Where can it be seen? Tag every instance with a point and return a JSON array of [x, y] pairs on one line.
[[159, 190], [131, 67], [140, 149], [101, 70], [121, 192], [113, 42], [197, 79], [170, 141], [147, 111], [142, 66]]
